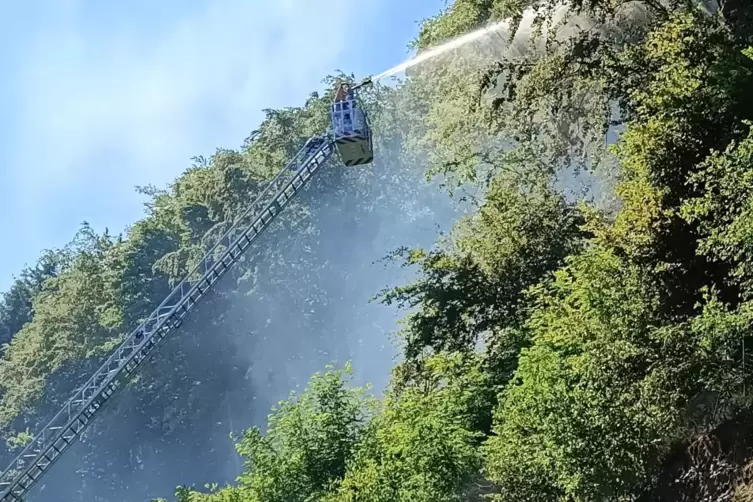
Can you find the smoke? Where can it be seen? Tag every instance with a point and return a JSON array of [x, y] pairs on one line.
[[582, 178], [300, 300]]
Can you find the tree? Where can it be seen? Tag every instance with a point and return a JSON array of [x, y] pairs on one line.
[[15, 304], [475, 285], [422, 446]]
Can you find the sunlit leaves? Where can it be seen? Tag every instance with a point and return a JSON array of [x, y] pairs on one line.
[[423, 445], [76, 316], [309, 442]]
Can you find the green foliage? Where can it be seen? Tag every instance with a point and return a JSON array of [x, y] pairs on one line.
[[309, 441], [686, 101], [228, 494], [76, 316], [15, 304], [333, 444], [475, 285], [19, 440], [635, 344], [722, 210], [590, 405], [607, 387], [552, 350], [639, 341], [423, 445]]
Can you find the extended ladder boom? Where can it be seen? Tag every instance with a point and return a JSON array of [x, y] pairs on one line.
[[79, 411]]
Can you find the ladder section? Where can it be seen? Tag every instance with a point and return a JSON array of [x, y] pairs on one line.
[[78, 412]]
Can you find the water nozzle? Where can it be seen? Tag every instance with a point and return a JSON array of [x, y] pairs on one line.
[[366, 81]]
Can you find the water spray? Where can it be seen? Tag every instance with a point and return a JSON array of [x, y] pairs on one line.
[[443, 48]]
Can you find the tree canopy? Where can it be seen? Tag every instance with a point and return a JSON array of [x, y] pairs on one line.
[[554, 346]]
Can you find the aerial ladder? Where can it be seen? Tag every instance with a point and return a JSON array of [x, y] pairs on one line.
[[350, 135]]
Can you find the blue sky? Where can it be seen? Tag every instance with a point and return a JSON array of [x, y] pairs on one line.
[[98, 97]]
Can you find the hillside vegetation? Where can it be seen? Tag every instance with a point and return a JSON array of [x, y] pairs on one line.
[[555, 348]]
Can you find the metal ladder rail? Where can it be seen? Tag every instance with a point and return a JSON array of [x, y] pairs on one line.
[[80, 410]]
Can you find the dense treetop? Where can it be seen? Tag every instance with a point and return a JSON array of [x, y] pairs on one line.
[[555, 346]]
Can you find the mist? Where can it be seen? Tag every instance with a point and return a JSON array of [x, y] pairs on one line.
[[300, 299]]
